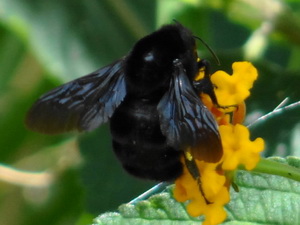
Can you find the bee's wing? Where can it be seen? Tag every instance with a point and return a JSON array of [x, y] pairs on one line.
[[186, 122], [82, 104]]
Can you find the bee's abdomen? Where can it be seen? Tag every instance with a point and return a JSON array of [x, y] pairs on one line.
[[139, 143]]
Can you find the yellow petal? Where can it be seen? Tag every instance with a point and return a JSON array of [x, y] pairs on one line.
[[234, 89], [238, 148]]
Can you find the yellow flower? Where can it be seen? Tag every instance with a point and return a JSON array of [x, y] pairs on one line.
[[215, 189], [230, 90], [234, 89], [237, 147]]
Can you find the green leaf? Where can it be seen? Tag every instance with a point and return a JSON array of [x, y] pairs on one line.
[[262, 199], [158, 209], [11, 54], [266, 199], [63, 33]]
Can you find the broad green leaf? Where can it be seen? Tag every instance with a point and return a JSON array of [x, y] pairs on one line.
[[262, 199], [266, 199], [280, 16], [63, 207], [20, 78], [11, 53], [294, 60], [73, 38]]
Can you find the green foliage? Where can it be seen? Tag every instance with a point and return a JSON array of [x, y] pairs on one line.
[[262, 199], [46, 43]]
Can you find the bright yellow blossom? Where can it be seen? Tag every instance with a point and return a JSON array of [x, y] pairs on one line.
[[215, 189], [234, 89], [238, 149]]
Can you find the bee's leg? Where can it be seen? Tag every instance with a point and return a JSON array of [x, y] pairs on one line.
[[194, 171], [206, 86]]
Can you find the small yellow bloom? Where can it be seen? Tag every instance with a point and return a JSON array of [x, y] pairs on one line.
[[215, 189], [238, 148], [214, 213], [234, 89]]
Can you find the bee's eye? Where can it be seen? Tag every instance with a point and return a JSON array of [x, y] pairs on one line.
[[149, 57]]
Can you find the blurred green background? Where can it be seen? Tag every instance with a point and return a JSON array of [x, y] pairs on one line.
[[70, 179]]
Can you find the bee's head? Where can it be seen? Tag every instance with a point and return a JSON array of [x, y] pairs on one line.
[[167, 44], [152, 57]]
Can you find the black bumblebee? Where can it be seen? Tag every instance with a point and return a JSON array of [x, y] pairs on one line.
[[151, 100]]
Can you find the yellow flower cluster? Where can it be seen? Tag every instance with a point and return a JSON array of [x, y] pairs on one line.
[[238, 149], [213, 184]]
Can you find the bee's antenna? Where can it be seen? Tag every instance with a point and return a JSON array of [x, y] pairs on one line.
[[206, 45], [209, 49]]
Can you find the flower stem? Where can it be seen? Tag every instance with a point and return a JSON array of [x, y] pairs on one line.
[[276, 168]]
